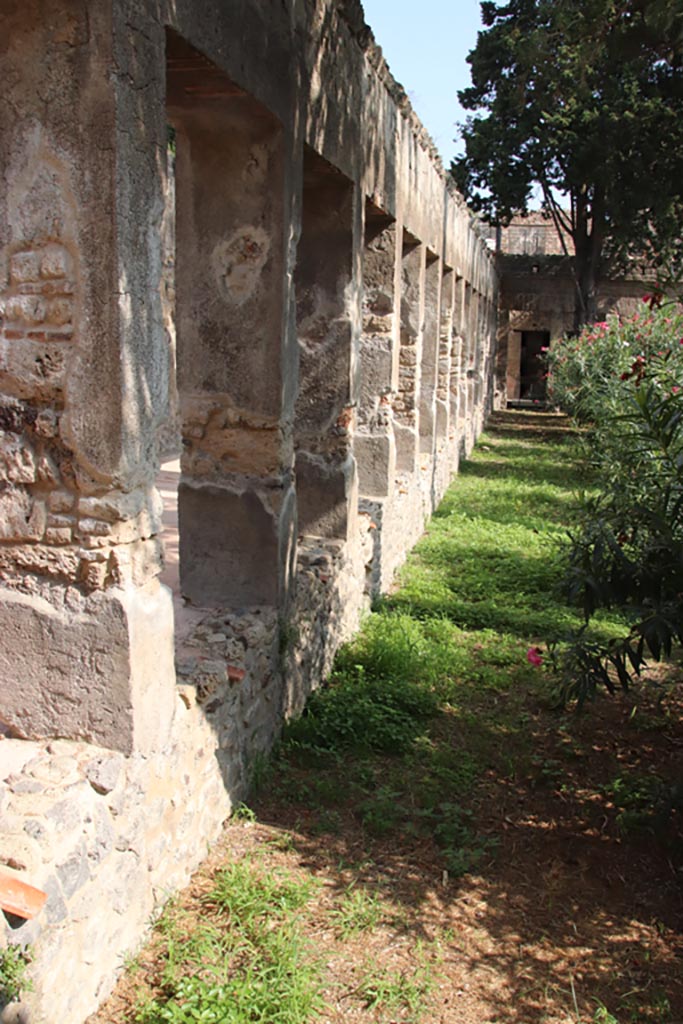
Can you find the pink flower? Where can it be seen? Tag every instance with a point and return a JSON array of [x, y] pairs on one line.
[[675, 389], [534, 656]]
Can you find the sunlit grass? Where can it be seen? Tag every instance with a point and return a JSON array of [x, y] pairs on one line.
[[429, 696], [493, 556]]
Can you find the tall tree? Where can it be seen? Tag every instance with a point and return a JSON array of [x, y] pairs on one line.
[[583, 98]]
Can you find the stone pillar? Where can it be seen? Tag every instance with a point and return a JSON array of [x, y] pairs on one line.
[[491, 356], [466, 371], [406, 409], [86, 632], [513, 367], [480, 355], [328, 328], [472, 357], [235, 499], [445, 414], [374, 444], [429, 367], [458, 377], [454, 379]]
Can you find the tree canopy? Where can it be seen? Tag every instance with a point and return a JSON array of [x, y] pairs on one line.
[[584, 99]]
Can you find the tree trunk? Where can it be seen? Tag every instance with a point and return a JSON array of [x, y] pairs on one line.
[[586, 305], [588, 239]]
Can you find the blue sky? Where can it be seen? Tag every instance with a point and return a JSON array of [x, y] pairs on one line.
[[426, 44]]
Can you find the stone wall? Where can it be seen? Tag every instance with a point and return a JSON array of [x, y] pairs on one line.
[[537, 294], [299, 298]]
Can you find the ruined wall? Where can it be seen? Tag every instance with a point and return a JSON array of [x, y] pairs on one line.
[[312, 318], [537, 293]]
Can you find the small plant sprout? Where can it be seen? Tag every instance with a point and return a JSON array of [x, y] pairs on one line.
[[14, 962]]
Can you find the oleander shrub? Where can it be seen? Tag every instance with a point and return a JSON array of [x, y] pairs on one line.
[[622, 381]]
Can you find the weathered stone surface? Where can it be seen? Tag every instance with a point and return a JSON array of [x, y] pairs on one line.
[[376, 456], [377, 359], [17, 462], [228, 547], [407, 447], [79, 672], [234, 448], [22, 517], [14, 754], [74, 872], [16, 1013], [326, 492], [41, 559], [33, 367], [103, 772], [21, 854]]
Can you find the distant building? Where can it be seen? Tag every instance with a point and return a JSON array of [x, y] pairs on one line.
[[536, 301]]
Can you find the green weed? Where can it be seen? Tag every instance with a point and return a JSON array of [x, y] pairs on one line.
[[637, 798], [401, 992], [358, 911], [246, 961], [381, 812], [247, 894], [602, 1015], [14, 962], [243, 813]]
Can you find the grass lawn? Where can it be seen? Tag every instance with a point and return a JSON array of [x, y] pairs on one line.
[[435, 840]]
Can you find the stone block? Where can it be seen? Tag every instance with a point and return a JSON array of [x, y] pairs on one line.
[[25, 309], [21, 853], [54, 262], [442, 419], [228, 547], [376, 362], [21, 516], [376, 458], [326, 495], [103, 772], [407, 446], [119, 506], [104, 674], [74, 872], [33, 368], [427, 423], [24, 267], [17, 462]]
